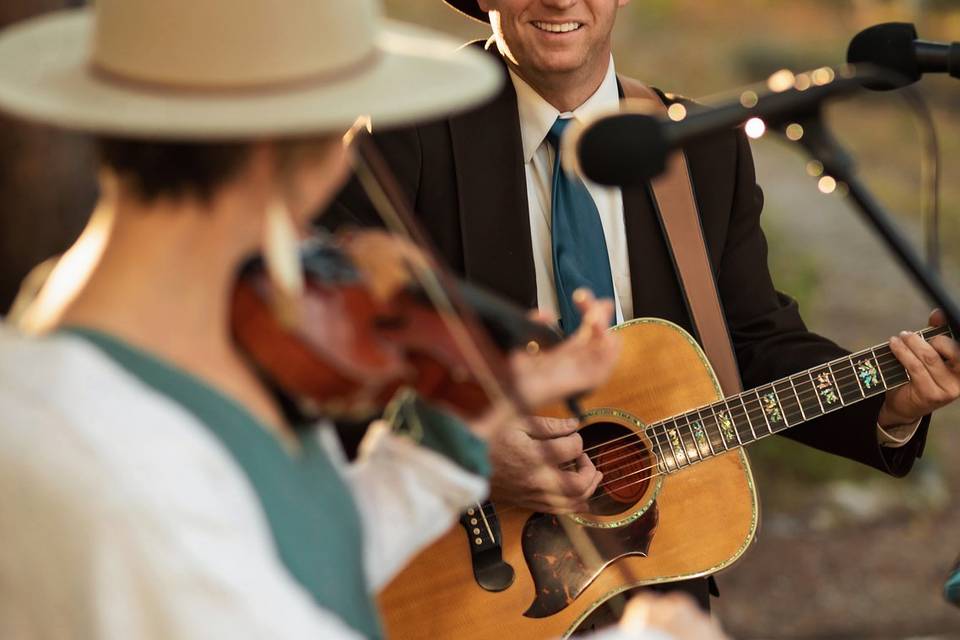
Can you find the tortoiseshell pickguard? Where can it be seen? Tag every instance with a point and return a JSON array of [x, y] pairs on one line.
[[560, 575]]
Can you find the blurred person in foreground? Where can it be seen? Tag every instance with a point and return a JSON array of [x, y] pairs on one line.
[[151, 485], [483, 183]]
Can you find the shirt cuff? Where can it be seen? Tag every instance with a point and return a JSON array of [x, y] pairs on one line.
[[441, 432], [896, 437]]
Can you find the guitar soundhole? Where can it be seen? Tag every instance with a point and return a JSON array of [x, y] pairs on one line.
[[625, 462]]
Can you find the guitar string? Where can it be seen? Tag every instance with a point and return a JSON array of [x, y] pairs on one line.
[[881, 352], [492, 510], [842, 384], [880, 356], [689, 459], [752, 413], [803, 397], [677, 468]]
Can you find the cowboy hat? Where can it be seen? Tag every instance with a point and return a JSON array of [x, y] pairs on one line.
[[232, 69], [469, 8]]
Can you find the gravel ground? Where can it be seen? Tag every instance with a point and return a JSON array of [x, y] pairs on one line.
[[848, 560]]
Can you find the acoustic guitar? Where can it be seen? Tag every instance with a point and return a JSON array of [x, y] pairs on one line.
[[677, 499]]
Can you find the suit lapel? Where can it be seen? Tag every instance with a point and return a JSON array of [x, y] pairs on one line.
[[492, 198]]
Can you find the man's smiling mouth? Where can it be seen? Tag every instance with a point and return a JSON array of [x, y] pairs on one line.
[[563, 27]]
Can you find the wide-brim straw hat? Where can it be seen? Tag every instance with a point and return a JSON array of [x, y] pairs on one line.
[[233, 69], [469, 8]]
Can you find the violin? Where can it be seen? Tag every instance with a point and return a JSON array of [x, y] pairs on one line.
[[365, 329]]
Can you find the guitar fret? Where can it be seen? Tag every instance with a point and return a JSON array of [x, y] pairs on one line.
[[803, 414], [703, 424], [676, 444], [727, 426], [836, 385], [848, 370], [663, 458], [894, 373], [868, 375], [746, 412], [733, 425], [787, 400], [883, 378], [816, 391], [856, 375], [686, 417], [771, 407], [827, 388], [763, 412], [808, 393]]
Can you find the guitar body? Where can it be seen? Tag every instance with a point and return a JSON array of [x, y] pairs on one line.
[[692, 522]]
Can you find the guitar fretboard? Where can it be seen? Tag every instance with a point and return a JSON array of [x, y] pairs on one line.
[[749, 416]]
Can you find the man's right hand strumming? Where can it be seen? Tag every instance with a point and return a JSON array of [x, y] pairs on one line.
[[541, 466]]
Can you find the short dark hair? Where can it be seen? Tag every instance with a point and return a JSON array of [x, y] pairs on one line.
[[173, 169]]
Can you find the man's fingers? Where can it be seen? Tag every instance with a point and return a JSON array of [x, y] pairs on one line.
[[557, 451], [542, 428], [936, 369], [580, 484], [569, 368], [920, 379], [542, 317], [949, 350], [938, 318], [596, 315]]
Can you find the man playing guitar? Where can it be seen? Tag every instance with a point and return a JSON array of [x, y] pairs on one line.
[[485, 185]]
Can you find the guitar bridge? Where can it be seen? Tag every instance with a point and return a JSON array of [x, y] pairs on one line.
[[486, 552]]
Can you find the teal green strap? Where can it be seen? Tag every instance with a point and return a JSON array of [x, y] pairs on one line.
[[439, 431]]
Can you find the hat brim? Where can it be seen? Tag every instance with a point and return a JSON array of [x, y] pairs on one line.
[[415, 75], [469, 8]]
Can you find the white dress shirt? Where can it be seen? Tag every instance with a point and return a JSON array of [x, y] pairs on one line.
[[536, 117]]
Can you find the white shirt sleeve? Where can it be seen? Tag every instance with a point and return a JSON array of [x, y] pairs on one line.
[[896, 437], [165, 545], [407, 496]]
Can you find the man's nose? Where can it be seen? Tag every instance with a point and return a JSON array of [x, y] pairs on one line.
[[559, 5]]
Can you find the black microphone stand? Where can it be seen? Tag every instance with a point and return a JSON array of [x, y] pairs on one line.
[[837, 163]]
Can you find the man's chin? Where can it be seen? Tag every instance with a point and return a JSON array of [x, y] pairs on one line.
[[562, 64]]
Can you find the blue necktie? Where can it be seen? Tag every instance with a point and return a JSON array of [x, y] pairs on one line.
[[580, 256]]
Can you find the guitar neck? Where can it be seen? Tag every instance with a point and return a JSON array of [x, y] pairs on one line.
[[773, 408]]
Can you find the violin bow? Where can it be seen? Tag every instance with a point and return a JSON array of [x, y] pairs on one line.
[[393, 208]]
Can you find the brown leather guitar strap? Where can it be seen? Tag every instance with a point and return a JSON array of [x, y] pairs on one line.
[[673, 192]]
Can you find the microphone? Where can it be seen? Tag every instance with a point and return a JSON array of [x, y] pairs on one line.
[[896, 46], [630, 147]]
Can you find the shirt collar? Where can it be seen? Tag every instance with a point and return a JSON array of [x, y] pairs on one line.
[[537, 115]]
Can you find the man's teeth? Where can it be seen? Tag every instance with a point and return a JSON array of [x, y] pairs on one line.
[[557, 28]]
